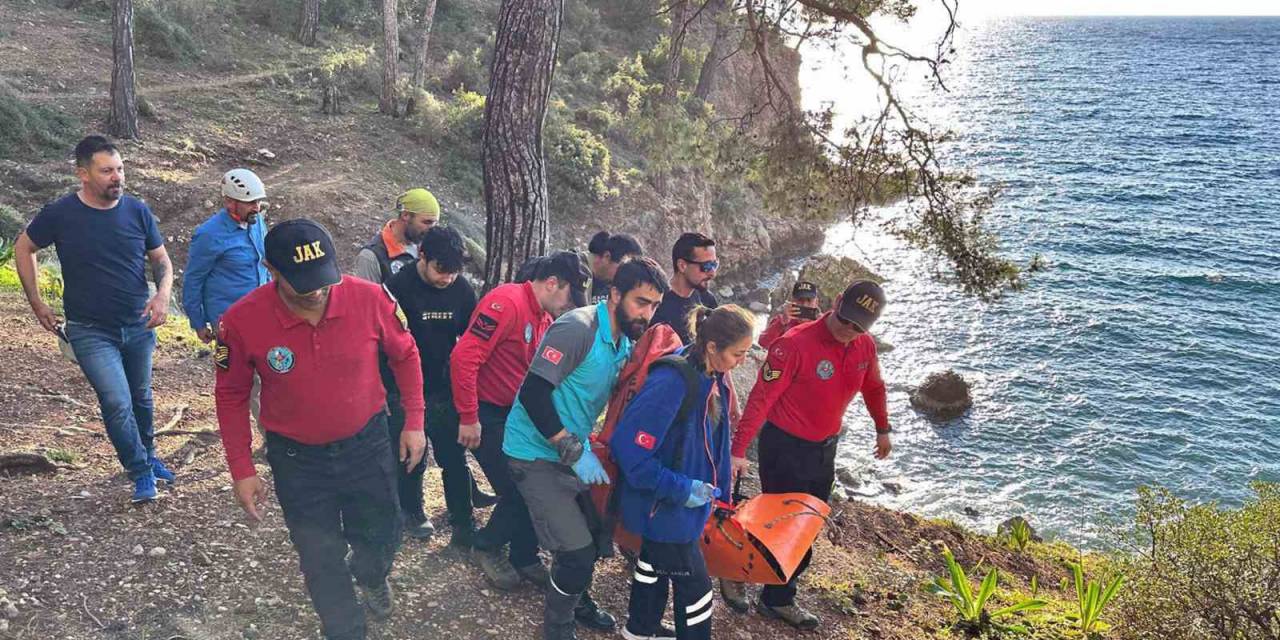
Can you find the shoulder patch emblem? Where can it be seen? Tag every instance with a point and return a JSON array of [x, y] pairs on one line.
[[404, 320], [645, 441], [826, 369], [552, 355], [280, 359], [496, 306], [483, 327], [768, 373], [222, 356]]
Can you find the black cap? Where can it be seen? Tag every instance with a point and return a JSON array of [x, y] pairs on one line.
[[804, 290], [302, 251], [861, 304], [571, 267]]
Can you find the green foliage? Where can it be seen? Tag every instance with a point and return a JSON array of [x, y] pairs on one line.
[[65, 456], [971, 606], [455, 128], [1202, 572], [159, 35], [28, 129], [1019, 535], [11, 224], [578, 161], [465, 71], [49, 281], [1091, 599]]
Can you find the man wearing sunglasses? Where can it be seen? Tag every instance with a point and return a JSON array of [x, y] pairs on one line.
[[694, 261], [806, 384]]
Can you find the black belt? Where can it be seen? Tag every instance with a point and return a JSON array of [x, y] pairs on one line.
[[820, 444], [376, 426]]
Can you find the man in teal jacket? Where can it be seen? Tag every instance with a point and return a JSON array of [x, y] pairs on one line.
[[225, 260]]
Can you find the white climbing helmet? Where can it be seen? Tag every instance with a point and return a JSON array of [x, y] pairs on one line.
[[243, 185]]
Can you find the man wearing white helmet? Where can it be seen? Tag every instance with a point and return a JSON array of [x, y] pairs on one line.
[[225, 260]]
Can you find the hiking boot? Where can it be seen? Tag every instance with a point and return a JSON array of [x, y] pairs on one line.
[[537, 574], [480, 499], [557, 616], [161, 472], [735, 595], [790, 614], [497, 570], [418, 527], [378, 600], [144, 489], [463, 536], [591, 616], [663, 632]]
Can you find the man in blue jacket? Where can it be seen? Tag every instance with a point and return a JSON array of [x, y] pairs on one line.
[[225, 260]]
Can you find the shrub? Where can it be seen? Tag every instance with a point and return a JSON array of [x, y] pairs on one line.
[[1091, 599], [159, 35], [1202, 572], [455, 127], [578, 161], [31, 129], [464, 71]]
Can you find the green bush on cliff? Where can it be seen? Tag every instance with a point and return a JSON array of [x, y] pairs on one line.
[[160, 35], [1202, 572], [454, 127], [578, 161], [28, 129]]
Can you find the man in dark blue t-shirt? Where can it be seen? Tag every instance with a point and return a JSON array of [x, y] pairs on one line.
[[104, 239]]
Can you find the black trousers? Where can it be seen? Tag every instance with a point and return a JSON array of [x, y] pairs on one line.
[[664, 564], [442, 432], [793, 465], [509, 522], [336, 497]]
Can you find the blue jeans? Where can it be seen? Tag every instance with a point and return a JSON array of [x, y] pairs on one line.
[[117, 362]]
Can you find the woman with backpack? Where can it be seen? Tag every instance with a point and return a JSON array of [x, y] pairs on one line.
[[672, 449]]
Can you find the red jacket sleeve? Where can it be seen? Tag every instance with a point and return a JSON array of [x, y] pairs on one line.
[[402, 356], [777, 326], [775, 377], [874, 394], [492, 319], [231, 395]]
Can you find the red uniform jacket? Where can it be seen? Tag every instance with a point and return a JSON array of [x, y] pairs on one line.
[[319, 384], [807, 382], [490, 360], [778, 325]]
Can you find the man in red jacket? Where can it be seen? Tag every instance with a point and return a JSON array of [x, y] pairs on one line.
[[486, 368], [313, 337], [802, 308], [806, 384]]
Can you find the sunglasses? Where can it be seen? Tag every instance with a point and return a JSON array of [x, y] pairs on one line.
[[707, 266]]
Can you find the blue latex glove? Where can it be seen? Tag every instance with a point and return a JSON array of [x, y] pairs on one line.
[[700, 493], [589, 470]]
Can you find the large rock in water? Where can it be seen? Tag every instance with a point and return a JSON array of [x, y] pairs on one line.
[[943, 396]]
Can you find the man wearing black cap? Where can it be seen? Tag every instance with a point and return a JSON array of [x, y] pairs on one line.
[[485, 371], [438, 302], [806, 384], [313, 337], [802, 308]]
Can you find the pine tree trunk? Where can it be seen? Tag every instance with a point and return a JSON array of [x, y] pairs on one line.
[[679, 25], [309, 22], [725, 28], [387, 102], [515, 174], [420, 57], [123, 121]]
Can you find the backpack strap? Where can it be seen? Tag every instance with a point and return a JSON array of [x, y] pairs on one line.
[[692, 385]]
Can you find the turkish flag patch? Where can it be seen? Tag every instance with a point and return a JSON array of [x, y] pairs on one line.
[[552, 355], [645, 441]]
